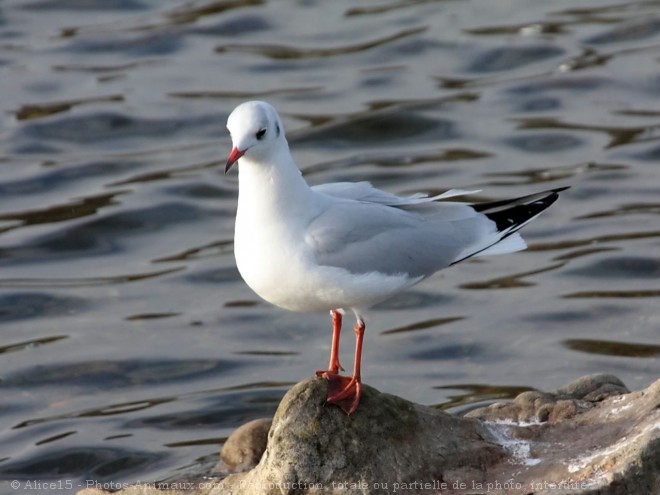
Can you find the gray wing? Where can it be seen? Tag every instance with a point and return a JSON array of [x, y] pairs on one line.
[[413, 239], [365, 191]]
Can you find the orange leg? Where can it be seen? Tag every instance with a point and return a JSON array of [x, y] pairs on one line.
[[334, 367], [345, 391]]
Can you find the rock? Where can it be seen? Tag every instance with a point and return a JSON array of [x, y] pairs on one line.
[[564, 403], [589, 437], [389, 440], [593, 387], [244, 448]]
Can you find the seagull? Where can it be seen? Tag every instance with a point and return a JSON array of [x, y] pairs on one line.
[[348, 245]]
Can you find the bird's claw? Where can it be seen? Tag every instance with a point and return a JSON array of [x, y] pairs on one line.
[[343, 391]]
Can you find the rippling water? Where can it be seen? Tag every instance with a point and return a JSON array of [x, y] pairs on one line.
[[129, 346]]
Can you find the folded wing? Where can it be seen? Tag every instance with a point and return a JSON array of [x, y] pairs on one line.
[[415, 236]]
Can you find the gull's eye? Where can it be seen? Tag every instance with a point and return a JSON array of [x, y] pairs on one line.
[[261, 133]]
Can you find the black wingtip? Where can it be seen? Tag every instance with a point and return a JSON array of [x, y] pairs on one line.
[[512, 214]]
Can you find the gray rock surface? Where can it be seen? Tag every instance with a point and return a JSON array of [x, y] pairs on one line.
[[564, 403], [589, 437]]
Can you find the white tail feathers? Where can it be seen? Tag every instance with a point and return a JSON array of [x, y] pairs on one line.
[[510, 244]]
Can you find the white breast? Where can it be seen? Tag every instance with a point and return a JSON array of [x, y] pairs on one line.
[[276, 263]]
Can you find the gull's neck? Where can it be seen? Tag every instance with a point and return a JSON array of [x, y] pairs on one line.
[[273, 187]]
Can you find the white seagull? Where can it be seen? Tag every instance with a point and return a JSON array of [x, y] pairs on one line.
[[349, 245]]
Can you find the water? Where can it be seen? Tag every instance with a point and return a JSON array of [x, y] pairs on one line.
[[129, 346]]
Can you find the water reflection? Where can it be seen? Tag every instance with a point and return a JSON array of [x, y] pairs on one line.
[[283, 52], [98, 463], [27, 112], [611, 348], [26, 305], [117, 374], [423, 325], [28, 344], [475, 395]]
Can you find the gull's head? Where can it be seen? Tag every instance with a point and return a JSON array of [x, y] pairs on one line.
[[255, 129]]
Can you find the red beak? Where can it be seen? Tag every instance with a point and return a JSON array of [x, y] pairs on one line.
[[233, 158]]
